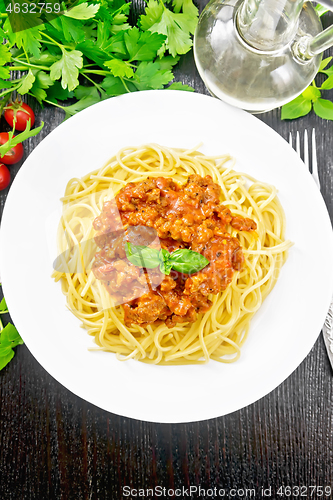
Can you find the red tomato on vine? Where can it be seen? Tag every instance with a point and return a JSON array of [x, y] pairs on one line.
[[14, 154], [4, 176], [19, 112]]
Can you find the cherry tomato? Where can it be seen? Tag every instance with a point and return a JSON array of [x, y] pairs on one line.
[[4, 176], [14, 155], [19, 112]]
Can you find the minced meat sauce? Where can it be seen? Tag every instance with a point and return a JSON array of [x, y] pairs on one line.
[[182, 216]]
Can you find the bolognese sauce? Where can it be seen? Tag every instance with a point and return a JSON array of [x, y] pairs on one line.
[[181, 216]]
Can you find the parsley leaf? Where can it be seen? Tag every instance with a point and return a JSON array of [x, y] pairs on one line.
[[115, 86], [56, 92], [178, 40], [177, 27], [187, 7], [93, 52], [142, 46], [168, 62], [81, 91], [30, 40], [83, 103], [5, 57], [154, 11], [67, 68], [92, 49], [82, 11], [119, 68], [72, 29], [26, 83], [117, 44], [150, 76], [4, 84], [180, 86], [42, 81]]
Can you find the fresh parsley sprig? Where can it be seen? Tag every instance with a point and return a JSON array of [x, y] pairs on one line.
[[183, 260], [91, 52], [9, 338]]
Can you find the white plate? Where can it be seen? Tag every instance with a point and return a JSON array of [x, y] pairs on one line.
[[282, 332]]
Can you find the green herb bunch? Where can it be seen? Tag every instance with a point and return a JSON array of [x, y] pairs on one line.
[[91, 52], [9, 338], [312, 98]]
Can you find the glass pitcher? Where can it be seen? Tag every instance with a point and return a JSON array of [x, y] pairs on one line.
[[259, 54]]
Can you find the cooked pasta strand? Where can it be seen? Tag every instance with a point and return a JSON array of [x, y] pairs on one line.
[[217, 334]]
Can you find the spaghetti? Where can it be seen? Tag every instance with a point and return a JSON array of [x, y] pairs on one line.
[[219, 332]]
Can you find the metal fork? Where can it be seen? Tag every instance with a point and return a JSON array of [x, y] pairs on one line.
[[328, 325], [306, 152]]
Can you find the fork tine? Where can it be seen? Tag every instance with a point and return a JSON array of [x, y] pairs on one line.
[[314, 159], [298, 144], [306, 152], [306, 149]]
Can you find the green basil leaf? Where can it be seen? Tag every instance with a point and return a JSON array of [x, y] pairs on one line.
[[187, 261], [3, 306], [323, 108], [6, 357], [321, 10], [311, 93], [328, 83], [142, 256], [324, 63], [296, 108], [183, 260], [165, 264], [9, 338]]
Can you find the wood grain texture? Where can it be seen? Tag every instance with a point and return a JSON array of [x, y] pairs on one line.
[[54, 445]]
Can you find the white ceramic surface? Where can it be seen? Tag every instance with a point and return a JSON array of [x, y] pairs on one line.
[[282, 332]]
